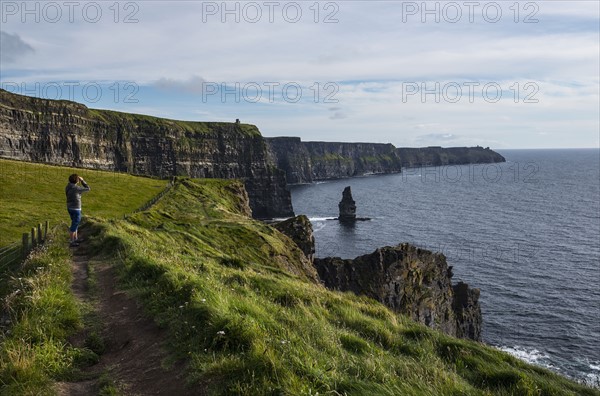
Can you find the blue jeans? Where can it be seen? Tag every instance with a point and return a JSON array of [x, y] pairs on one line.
[[75, 219]]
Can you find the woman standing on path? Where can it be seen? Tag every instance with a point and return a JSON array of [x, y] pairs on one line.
[[74, 191]]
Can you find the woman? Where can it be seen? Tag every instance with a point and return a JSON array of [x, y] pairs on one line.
[[74, 191]]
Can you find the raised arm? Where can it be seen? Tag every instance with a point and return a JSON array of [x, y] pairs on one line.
[[85, 187]]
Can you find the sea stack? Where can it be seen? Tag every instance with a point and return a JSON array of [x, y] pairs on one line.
[[347, 206]]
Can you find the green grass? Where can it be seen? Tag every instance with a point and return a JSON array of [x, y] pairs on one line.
[[243, 308], [33, 193], [151, 123], [34, 351], [244, 311]]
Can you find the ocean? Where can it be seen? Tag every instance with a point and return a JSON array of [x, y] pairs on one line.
[[526, 232]]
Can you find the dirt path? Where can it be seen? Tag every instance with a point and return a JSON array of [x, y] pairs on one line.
[[134, 352]]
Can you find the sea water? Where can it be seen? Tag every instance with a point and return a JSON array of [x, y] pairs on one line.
[[526, 232]]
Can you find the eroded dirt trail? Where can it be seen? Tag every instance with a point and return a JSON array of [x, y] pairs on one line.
[[134, 345]]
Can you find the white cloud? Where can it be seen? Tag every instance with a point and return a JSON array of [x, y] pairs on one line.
[[194, 84], [13, 47], [369, 53]]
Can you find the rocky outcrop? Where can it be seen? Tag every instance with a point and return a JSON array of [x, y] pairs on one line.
[[467, 310], [306, 162], [68, 133], [347, 206], [412, 281], [299, 229]]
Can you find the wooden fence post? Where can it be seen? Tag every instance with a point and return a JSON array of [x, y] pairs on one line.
[[25, 245], [46, 229], [33, 241], [39, 232]]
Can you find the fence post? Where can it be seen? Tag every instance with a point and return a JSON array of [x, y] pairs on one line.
[[46, 229], [25, 245], [33, 241], [39, 232]]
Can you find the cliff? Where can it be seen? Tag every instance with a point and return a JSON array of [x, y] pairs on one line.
[[305, 162], [412, 281], [68, 133], [300, 230], [438, 156]]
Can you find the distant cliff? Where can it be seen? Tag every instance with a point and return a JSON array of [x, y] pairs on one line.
[[437, 156], [412, 281], [305, 162], [68, 133]]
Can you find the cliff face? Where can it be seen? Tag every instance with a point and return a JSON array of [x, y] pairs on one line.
[[305, 162], [67, 133], [412, 281], [438, 156], [300, 230]]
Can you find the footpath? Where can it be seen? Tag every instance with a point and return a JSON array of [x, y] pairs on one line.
[[133, 345]]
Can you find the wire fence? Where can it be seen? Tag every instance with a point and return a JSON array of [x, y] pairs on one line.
[[16, 252], [156, 198]]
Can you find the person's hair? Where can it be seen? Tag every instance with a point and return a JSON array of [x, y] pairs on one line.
[[74, 178]]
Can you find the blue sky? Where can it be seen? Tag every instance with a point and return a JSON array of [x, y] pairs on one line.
[[504, 74]]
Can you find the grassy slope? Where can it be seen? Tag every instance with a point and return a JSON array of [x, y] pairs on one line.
[[223, 286], [32, 193]]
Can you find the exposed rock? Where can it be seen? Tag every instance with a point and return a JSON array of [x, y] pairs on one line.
[[291, 156], [411, 281], [68, 133], [468, 311], [299, 229], [347, 206], [242, 202]]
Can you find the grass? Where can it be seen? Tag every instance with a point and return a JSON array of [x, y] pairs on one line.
[[243, 308], [151, 123], [33, 193], [34, 351], [245, 312]]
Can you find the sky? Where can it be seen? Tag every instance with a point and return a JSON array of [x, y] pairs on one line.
[[504, 74]]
